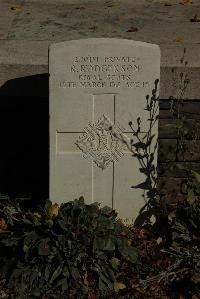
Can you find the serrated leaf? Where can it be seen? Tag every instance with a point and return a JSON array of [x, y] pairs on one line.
[[47, 273], [65, 271], [104, 282], [56, 273], [33, 277]]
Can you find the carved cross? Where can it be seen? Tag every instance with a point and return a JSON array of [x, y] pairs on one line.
[[103, 141]]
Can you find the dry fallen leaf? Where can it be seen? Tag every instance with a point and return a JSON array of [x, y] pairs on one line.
[[124, 233], [132, 29], [92, 296], [3, 225], [185, 2], [195, 297], [142, 233], [80, 7], [120, 18], [195, 19], [119, 286], [16, 7], [173, 205], [129, 242], [92, 27], [178, 40], [53, 210], [159, 240]]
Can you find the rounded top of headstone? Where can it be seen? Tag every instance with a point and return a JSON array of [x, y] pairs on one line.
[[102, 41]]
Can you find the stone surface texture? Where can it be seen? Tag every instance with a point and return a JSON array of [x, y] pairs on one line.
[[96, 87], [28, 27]]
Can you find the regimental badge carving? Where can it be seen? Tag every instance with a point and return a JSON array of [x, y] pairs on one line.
[[103, 142]]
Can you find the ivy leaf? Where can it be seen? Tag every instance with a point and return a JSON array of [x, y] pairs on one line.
[[127, 251], [106, 243]]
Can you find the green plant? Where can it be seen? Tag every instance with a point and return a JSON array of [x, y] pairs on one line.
[[143, 147], [183, 249], [185, 220], [66, 251]]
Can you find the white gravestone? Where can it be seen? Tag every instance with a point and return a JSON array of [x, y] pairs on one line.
[[96, 87]]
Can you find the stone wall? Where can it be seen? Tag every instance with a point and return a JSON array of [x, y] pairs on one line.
[[170, 155]]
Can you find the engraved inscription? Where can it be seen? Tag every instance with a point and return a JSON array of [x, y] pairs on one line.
[[104, 71], [103, 142]]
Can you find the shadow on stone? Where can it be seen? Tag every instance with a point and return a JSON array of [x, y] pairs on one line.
[[24, 133], [36, 85]]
